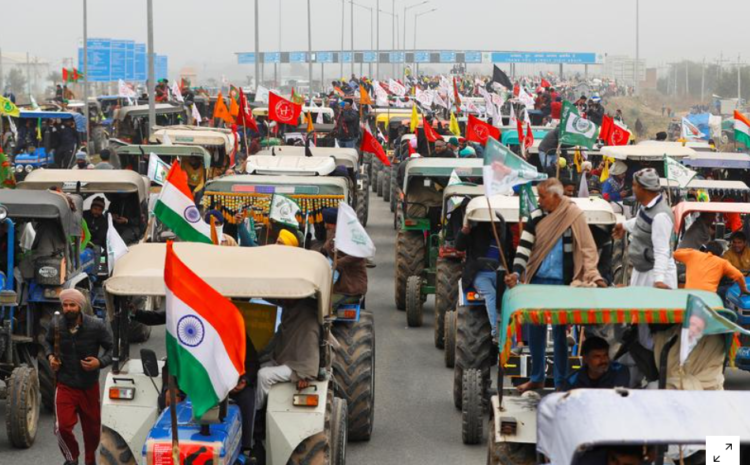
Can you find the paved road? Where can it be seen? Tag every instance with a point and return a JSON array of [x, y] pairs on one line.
[[415, 421]]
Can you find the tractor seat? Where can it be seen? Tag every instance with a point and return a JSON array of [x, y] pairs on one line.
[[213, 416]]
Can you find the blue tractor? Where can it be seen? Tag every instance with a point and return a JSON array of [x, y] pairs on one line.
[[30, 148]]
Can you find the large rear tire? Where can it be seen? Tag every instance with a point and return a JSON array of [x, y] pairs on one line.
[[138, 333], [22, 406], [410, 251], [387, 185], [338, 432], [381, 179], [394, 189], [450, 339], [317, 449], [472, 407], [113, 450], [414, 308], [354, 372], [473, 347], [362, 207], [448, 272], [506, 453]]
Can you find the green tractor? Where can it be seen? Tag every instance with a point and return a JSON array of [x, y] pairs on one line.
[[419, 242]]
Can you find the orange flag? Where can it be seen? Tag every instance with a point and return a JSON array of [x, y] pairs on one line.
[[364, 96], [309, 121], [234, 107], [221, 111]]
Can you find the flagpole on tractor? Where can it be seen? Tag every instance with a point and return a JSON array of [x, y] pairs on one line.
[[497, 237], [173, 417], [557, 162]]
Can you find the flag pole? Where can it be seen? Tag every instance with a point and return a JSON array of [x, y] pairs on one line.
[[497, 237], [173, 417], [557, 172]]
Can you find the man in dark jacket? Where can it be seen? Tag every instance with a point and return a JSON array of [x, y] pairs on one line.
[[597, 370], [77, 346], [68, 137], [347, 126], [482, 264], [97, 222]]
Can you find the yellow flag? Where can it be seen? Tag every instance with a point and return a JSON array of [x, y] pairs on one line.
[[578, 159], [414, 119], [8, 108], [605, 171], [454, 128]]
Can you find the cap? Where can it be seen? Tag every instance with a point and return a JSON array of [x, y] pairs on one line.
[[80, 156], [648, 179], [453, 141], [330, 215], [618, 168]]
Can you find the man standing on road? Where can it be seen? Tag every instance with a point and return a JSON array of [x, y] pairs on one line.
[[556, 248], [347, 126], [84, 347]]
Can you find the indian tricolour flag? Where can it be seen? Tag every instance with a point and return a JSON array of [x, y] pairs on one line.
[[205, 336], [176, 208], [741, 128]]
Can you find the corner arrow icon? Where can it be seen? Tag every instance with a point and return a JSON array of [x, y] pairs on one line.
[[716, 458], [729, 446]]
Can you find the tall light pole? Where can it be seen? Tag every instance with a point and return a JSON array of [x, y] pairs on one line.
[[416, 17], [377, 37], [407, 8], [372, 34], [637, 44], [309, 47], [388, 13], [277, 66], [86, 113], [257, 48], [393, 36], [351, 25], [151, 87], [343, 28]]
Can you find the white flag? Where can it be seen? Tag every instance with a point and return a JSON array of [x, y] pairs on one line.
[[34, 105], [583, 188], [513, 120], [176, 92], [454, 201], [691, 131], [526, 98], [424, 97], [679, 173], [261, 95], [196, 115], [351, 237], [124, 89], [157, 169], [439, 100], [396, 88], [116, 247], [284, 210], [166, 140]]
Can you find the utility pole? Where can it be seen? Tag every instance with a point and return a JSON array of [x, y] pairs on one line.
[[277, 66], [377, 37], [351, 25], [637, 45], [309, 47], [257, 48], [86, 112], [151, 88], [343, 27], [394, 45]]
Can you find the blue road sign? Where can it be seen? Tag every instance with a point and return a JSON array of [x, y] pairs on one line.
[[396, 57], [161, 67], [421, 57], [141, 64], [447, 57], [324, 57], [297, 57], [347, 57], [545, 58], [246, 58], [271, 57], [130, 61], [473, 57], [118, 59], [99, 51], [370, 57]]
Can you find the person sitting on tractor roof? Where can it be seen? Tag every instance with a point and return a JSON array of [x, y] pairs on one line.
[[294, 352], [351, 283], [597, 370], [556, 248]]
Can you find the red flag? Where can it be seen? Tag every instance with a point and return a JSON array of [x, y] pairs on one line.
[[613, 133], [371, 145], [456, 97], [545, 83], [516, 90], [429, 133], [479, 131], [65, 74], [529, 140], [519, 129], [245, 115], [282, 110]]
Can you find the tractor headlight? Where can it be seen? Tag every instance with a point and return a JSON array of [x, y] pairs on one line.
[[3, 213], [29, 168], [19, 168]]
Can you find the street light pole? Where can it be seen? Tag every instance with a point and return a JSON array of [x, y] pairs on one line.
[[277, 66], [343, 27], [377, 37], [351, 25], [407, 8], [257, 48], [151, 87], [393, 37], [416, 17], [86, 112], [309, 47]]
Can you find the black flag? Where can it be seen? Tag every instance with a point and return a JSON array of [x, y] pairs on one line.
[[308, 152], [501, 78]]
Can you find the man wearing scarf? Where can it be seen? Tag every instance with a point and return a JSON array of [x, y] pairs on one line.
[[556, 248], [85, 347]]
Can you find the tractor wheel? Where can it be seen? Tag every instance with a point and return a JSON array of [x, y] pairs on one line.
[[138, 332], [508, 453], [396, 216], [414, 309], [362, 207], [620, 265], [22, 406], [316, 449], [374, 178], [473, 347], [448, 272], [387, 186], [450, 339], [472, 407], [113, 450], [381, 179], [410, 251], [338, 432], [394, 188], [354, 372]]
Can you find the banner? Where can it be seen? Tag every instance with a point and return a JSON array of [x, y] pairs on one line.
[[157, 169]]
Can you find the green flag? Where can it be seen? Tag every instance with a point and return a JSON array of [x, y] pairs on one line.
[[527, 202], [504, 169], [576, 130], [701, 320]]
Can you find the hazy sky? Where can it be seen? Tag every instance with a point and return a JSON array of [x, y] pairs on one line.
[[199, 32]]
